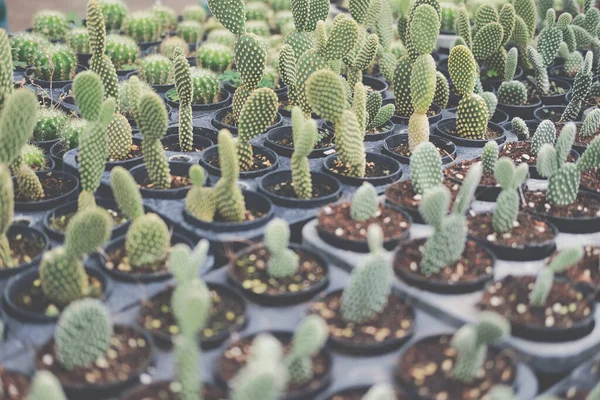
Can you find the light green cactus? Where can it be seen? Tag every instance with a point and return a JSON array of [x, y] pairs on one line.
[[50, 122], [33, 156], [231, 14], [545, 133], [185, 91], [230, 200], [190, 31], [425, 167], [442, 90], [166, 17], [380, 391], [491, 102], [122, 51], [283, 261], [364, 203], [118, 138], [194, 12], [206, 86], [168, 46], [489, 157], [309, 338], [142, 27], [130, 92], [45, 386], [78, 40], [305, 136], [520, 128], [591, 124], [214, 56], [471, 343], [156, 69], [200, 201], [510, 91], [581, 89], [550, 38], [542, 84], [24, 46], [83, 334], [510, 178], [52, 24], [7, 204], [447, 243], [184, 263], [114, 12], [56, 62], [221, 36], [545, 278]]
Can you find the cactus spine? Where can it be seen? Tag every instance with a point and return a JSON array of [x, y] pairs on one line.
[[230, 200], [581, 89], [305, 137], [52, 24]]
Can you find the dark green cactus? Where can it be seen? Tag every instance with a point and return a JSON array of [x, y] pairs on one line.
[[185, 90], [305, 137], [510, 179], [122, 51], [24, 46], [55, 62], [142, 27], [230, 200], [190, 31], [114, 12], [78, 40]]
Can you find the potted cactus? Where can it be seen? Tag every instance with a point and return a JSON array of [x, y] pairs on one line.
[[585, 271], [206, 91], [142, 27]]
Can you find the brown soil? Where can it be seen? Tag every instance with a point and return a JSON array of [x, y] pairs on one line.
[[474, 264], [510, 297], [164, 390], [129, 355], [519, 152], [403, 150], [584, 206], [250, 271], [590, 180], [587, 270], [335, 219], [459, 171], [490, 133], [176, 182], [402, 194], [13, 385], [60, 223], [528, 230], [427, 366], [286, 189], [371, 170], [117, 259], [23, 249], [394, 322], [259, 161], [53, 186]]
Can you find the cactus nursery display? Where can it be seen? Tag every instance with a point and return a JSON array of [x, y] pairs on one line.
[[300, 199]]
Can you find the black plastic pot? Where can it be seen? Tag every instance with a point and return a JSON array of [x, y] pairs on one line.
[[497, 81], [558, 70], [379, 159], [31, 79], [281, 299], [281, 90], [45, 145], [214, 151], [23, 230], [423, 282], [277, 134], [57, 151], [140, 174], [122, 73], [18, 284], [402, 120], [395, 140], [376, 84], [254, 201], [276, 177], [524, 112], [146, 46], [225, 95], [557, 99], [172, 139], [219, 115], [534, 174], [71, 164], [176, 238], [71, 207], [589, 224], [83, 59], [499, 117], [372, 137], [443, 126], [43, 205]]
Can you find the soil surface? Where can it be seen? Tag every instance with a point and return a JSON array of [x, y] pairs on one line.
[[117, 259], [584, 206], [527, 230], [286, 189], [53, 186], [402, 194], [23, 249], [13, 386], [372, 170]]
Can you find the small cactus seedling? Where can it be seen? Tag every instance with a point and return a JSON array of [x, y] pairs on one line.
[[83, 334], [380, 391], [45, 386], [510, 179], [308, 340], [510, 91], [283, 261], [200, 201], [471, 343], [447, 243], [230, 200], [364, 203], [543, 283], [425, 167], [305, 136], [520, 128], [366, 295]]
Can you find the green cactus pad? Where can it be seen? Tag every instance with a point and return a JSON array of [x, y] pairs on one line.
[[462, 68]]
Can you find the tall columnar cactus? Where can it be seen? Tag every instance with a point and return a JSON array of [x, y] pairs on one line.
[[309, 338], [545, 278], [214, 56], [510, 91], [45, 386], [581, 88], [305, 136], [200, 201], [148, 237], [257, 113], [122, 51], [366, 294], [83, 334], [364, 203], [564, 177], [52, 24], [471, 343], [62, 274], [489, 157], [156, 69], [283, 261], [425, 167], [510, 179], [78, 40], [230, 200], [142, 27], [56, 62], [185, 90], [447, 243], [7, 204], [114, 12], [545, 133]]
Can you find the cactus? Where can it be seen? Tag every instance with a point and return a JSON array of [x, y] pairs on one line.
[[190, 31], [283, 261], [510, 91], [118, 138], [122, 51], [49, 124], [114, 12], [156, 69], [52, 24], [364, 203], [184, 263], [83, 334], [542, 84], [258, 28], [510, 179], [366, 294], [564, 177], [501, 392], [520, 128], [442, 90], [377, 116], [24, 46], [33, 157], [142, 27], [591, 124], [380, 391], [200, 201], [221, 36], [471, 343], [545, 133], [581, 89], [543, 282], [45, 386], [166, 17], [183, 84], [55, 62], [194, 12], [305, 137], [62, 275], [6, 216], [130, 92], [229, 197], [308, 340], [78, 40], [447, 243], [214, 56], [258, 112], [550, 38], [489, 157], [425, 167], [206, 86], [168, 46]]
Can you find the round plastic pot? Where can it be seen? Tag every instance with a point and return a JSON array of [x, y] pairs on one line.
[[402, 120], [57, 151], [214, 151], [371, 137], [84, 59], [176, 238], [277, 134], [23, 230], [67, 102], [50, 203], [45, 145], [276, 177], [19, 284], [499, 117], [589, 224], [219, 115], [557, 99], [254, 201], [524, 112], [140, 174], [203, 107], [423, 282], [497, 81], [281, 299], [534, 174], [199, 141], [541, 113], [447, 124], [71, 207], [374, 73], [71, 164], [282, 90], [558, 70], [395, 140], [145, 46], [379, 159], [122, 73], [376, 84], [31, 79]]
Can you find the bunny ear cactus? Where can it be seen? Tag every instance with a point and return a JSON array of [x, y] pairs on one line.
[[283, 262], [545, 133], [17, 123], [422, 91], [489, 157], [377, 116], [364, 203], [442, 90], [308, 340], [542, 83], [510, 179], [366, 295], [591, 124], [471, 343], [581, 89], [200, 201], [184, 263], [510, 91], [447, 243], [550, 39], [520, 128], [230, 200], [45, 386], [305, 136], [7, 204], [185, 91], [126, 193], [401, 85], [118, 138], [543, 283], [425, 167], [6, 69]]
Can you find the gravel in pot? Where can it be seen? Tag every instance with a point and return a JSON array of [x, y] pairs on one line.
[[264, 160], [583, 216], [447, 129], [380, 170], [27, 245]]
